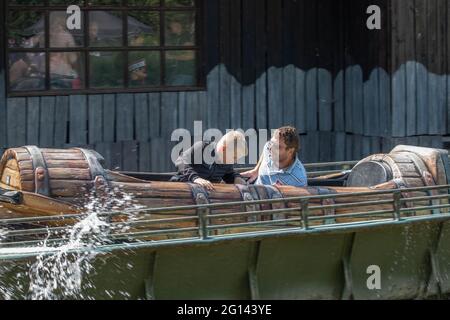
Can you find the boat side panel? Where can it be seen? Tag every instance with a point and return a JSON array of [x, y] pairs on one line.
[[306, 266]]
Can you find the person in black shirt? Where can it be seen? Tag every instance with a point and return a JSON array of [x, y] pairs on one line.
[[216, 168]]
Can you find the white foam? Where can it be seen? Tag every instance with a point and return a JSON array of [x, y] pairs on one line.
[[60, 271]]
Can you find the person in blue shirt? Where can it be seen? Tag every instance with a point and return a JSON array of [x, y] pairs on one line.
[[279, 164]]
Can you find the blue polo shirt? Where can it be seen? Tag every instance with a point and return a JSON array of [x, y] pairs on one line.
[[268, 174]]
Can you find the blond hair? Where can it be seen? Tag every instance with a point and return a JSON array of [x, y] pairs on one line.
[[237, 139]]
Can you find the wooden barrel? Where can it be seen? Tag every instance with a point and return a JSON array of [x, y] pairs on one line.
[[407, 167], [59, 173]]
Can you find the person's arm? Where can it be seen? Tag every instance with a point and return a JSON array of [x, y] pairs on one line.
[[239, 180], [233, 176], [185, 166], [253, 174], [185, 163]]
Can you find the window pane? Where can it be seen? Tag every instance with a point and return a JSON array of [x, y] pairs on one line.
[[106, 69], [143, 28], [153, 3], [26, 2], [179, 3], [105, 29], [26, 29], [27, 71], [66, 2], [60, 35], [103, 2], [144, 68], [180, 28], [66, 70], [180, 68]]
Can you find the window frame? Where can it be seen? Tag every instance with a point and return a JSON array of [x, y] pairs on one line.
[[124, 8]]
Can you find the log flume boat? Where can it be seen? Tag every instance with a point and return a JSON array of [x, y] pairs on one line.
[[43, 191], [56, 182]]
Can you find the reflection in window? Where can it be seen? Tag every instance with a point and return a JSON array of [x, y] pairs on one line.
[[26, 29], [105, 29], [26, 2], [60, 35], [180, 68], [143, 28], [144, 68], [153, 3], [26, 71], [179, 3], [66, 70], [121, 44], [180, 28], [66, 2], [106, 69], [103, 2]]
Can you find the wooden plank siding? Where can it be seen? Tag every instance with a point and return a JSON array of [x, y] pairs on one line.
[[95, 117], [78, 120], [349, 91], [3, 108], [16, 121], [33, 120], [3, 100], [61, 121], [109, 117], [260, 64], [47, 122], [421, 49], [249, 57]]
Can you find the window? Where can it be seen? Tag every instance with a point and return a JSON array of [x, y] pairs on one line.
[[122, 45]]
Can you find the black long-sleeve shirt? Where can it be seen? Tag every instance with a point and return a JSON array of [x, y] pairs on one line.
[[188, 171]]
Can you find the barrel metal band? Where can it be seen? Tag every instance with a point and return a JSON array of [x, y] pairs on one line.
[[400, 184], [247, 196], [41, 180], [94, 161], [255, 195], [200, 196], [262, 193], [327, 201], [428, 181], [274, 193]]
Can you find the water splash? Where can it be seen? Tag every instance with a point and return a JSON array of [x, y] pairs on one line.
[[59, 271], [60, 274]]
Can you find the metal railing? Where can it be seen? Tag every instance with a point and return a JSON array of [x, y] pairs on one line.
[[153, 226]]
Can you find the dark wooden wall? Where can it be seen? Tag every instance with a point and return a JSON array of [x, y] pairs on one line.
[[313, 64], [3, 142]]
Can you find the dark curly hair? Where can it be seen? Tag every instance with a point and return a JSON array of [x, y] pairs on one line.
[[290, 137]]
